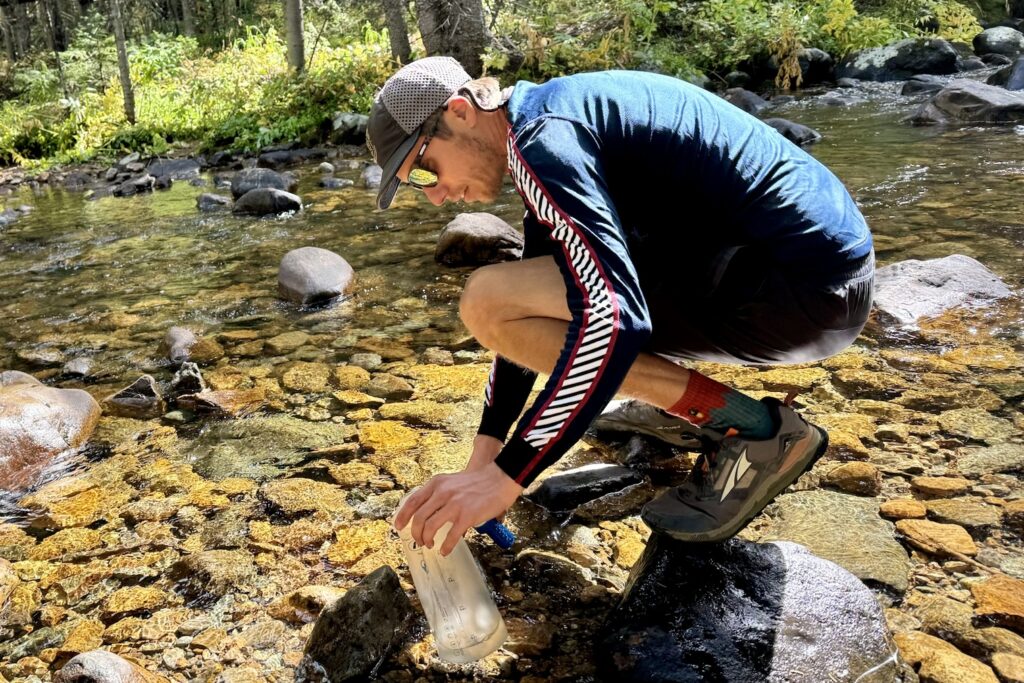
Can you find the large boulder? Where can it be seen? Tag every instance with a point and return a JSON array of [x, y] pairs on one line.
[[310, 274], [253, 178], [1000, 40], [749, 102], [909, 290], [349, 128], [900, 60], [966, 101], [177, 169], [355, 634], [1010, 77], [473, 239], [744, 613], [37, 423], [264, 201], [100, 666]]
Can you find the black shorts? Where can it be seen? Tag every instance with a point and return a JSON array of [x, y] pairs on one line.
[[742, 310]]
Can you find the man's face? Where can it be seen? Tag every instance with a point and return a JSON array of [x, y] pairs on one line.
[[468, 167]]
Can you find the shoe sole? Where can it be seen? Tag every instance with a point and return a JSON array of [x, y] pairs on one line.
[[775, 486]]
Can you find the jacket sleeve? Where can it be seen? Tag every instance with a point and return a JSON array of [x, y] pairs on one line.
[[557, 168]]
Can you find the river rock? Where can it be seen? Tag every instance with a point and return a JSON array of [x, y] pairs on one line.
[[389, 387], [743, 612], [304, 605], [844, 529], [860, 478], [253, 178], [335, 183], [903, 508], [310, 274], [143, 183], [937, 661], [1001, 599], [745, 100], [213, 573], [209, 201], [816, 66], [349, 128], [967, 101], [968, 512], [356, 633], [141, 400], [923, 83], [1010, 77], [37, 423], [178, 169], [187, 380], [298, 495], [371, 177], [936, 538], [474, 239], [565, 491], [900, 60], [264, 201], [177, 343], [100, 666], [1001, 40], [794, 132], [940, 487], [909, 290]]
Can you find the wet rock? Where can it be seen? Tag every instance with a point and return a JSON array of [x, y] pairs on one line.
[[899, 61], [310, 378], [1010, 77], [1014, 513], [745, 100], [349, 128], [225, 403], [936, 538], [388, 437], [357, 632], [267, 201], [426, 413], [304, 605], [325, 167], [473, 239], [923, 83], [177, 343], [967, 101], [132, 600], [1004, 457], [212, 202], [144, 183], [741, 611], [938, 661], [366, 361], [100, 666], [909, 290], [1009, 668], [335, 183], [1001, 599], [78, 368], [565, 491], [389, 387], [286, 342], [544, 570], [940, 487], [187, 380], [903, 508], [859, 540], [1000, 40], [41, 358], [796, 133], [615, 505], [860, 478], [978, 425], [371, 177], [141, 400], [297, 496], [37, 423], [816, 66], [213, 573], [968, 512], [75, 502], [261, 178], [178, 169], [311, 275]]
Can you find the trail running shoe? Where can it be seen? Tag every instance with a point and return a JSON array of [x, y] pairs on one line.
[[641, 418], [733, 482]]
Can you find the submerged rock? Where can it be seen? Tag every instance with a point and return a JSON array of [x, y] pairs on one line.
[[1010, 77], [253, 178], [99, 666], [796, 133], [565, 491], [473, 239], [264, 201], [371, 177], [140, 400], [744, 612], [212, 202], [310, 274]]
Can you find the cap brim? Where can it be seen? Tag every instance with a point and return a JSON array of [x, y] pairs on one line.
[[389, 181]]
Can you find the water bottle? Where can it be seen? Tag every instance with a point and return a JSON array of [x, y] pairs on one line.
[[462, 615]]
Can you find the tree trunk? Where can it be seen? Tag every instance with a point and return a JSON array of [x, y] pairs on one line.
[[188, 23], [44, 24], [60, 34], [122, 61], [293, 29], [22, 30], [7, 31], [397, 30], [455, 28]]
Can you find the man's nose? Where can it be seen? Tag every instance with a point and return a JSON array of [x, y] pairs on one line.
[[435, 194]]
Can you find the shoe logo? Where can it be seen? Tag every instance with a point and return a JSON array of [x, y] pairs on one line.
[[738, 470]]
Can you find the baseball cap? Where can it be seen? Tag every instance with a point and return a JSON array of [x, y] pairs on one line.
[[401, 107]]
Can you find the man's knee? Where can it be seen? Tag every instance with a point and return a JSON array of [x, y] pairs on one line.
[[481, 303]]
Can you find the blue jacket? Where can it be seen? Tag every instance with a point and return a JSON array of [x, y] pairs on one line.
[[628, 177]]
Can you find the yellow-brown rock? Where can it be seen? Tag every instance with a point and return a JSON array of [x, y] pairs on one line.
[[843, 445], [155, 508], [354, 473], [387, 437], [286, 343], [428, 413], [308, 532], [126, 601], [304, 605], [81, 509], [903, 508], [977, 424], [1009, 668], [351, 377], [939, 662], [235, 486], [358, 540], [449, 384], [1001, 598], [1013, 513], [51, 615], [208, 639], [350, 398], [940, 487], [936, 538], [969, 512], [65, 542], [860, 478], [296, 496], [8, 581], [306, 377], [227, 377], [989, 356], [13, 536], [100, 665], [167, 477], [915, 361], [406, 471], [33, 570], [226, 402], [385, 348], [85, 635]]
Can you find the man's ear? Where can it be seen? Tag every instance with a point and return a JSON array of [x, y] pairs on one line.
[[462, 109]]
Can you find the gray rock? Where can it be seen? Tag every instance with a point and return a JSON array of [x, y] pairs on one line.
[[389, 387], [187, 380], [737, 79], [1001, 40], [38, 423], [177, 343], [310, 274], [477, 239], [77, 180], [143, 183], [1004, 457], [132, 158], [993, 59], [111, 174], [845, 529], [794, 132], [176, 169], [966, 101], [141, 400], [615, 505], [900, 60], [335, 183], [264, 201], [355, 634], [212, 202], [816, 66], [965, 64], [909, 290], [847, 83], [326, 167], [163, 182], [565, 491], [349, 128], [78, 367], [254, 178], [923, 83], [211, 574], [745, 100], [1010, 77], [366, 361], [100, 666], [744, 613], [371, 177]]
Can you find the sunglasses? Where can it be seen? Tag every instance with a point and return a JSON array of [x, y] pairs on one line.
[[420, 178]]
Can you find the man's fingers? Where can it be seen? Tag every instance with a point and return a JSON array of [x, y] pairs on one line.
[[434, 522], [426, 511], [457, 531], [410, 506]]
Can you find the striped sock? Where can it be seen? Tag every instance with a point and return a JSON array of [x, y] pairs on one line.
[[707, 403]]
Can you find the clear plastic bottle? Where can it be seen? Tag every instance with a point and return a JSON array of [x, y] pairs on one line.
[[460, 610]]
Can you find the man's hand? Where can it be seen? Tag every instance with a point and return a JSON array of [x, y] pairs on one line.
[[466, 499], [485, 450]]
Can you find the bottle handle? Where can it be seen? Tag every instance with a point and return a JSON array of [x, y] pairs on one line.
[[499, 533]]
